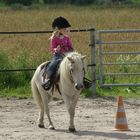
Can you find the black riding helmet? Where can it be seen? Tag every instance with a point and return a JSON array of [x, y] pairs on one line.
[[60, 22]]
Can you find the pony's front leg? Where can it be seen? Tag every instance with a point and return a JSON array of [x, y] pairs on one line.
[[71, 104], [71, 111]]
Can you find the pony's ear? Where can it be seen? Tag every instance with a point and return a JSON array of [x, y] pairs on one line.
[[70, 59], [83, 57]]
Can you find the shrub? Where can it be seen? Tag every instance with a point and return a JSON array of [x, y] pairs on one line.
[[14, 79], [23, 2], [6, 78], [22, 62]]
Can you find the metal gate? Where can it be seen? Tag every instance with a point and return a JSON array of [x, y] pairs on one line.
[[119, 57]]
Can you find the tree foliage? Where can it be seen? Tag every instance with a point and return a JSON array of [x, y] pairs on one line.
[[75, 2], [23, 2]]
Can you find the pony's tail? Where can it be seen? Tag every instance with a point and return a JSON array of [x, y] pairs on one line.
[[36, 94]]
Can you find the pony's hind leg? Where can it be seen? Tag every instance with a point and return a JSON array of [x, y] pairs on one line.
[[39, 102], [41, 117], [46, 100]]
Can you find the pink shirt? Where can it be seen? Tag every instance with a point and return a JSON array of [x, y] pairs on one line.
[[63, 41]]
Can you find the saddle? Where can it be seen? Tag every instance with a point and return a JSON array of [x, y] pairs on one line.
[[54, 79]]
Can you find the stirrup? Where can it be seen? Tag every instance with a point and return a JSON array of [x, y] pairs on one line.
[[47, 85]]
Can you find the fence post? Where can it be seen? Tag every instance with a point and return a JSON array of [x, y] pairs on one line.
[[93, 60]]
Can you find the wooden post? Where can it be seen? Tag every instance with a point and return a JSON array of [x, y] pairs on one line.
[[93, 60]]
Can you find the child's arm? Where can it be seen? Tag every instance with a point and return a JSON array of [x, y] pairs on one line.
[[54, 47]]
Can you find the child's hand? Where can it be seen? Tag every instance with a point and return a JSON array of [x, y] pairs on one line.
[[57, 50]]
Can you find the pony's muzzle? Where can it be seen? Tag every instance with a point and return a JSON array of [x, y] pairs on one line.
[[79, 86]]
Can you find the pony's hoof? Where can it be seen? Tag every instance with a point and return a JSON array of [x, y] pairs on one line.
[[51, 127], [41, 126], [72, 130]]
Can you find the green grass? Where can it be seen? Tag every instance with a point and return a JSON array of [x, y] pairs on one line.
[[24, 92], [2, 5], [113, 92], [19, 92], [136, 2], [126, 92]]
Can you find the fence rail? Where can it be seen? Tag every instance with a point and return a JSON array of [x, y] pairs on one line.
[[14, 70], [44, 32], [120, 31]]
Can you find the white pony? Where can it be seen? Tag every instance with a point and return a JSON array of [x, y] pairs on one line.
[[71, 70]]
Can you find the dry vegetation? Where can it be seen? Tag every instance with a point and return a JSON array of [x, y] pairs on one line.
[[37, 46], [80, 17]]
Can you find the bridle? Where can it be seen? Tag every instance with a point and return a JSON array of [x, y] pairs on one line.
[[70, 73]]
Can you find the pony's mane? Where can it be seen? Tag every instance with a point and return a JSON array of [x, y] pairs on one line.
[[73, 55]]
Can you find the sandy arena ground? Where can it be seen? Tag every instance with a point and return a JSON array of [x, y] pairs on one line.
[[94, 120]]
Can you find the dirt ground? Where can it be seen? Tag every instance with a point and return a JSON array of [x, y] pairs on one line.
[[94, 120]]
